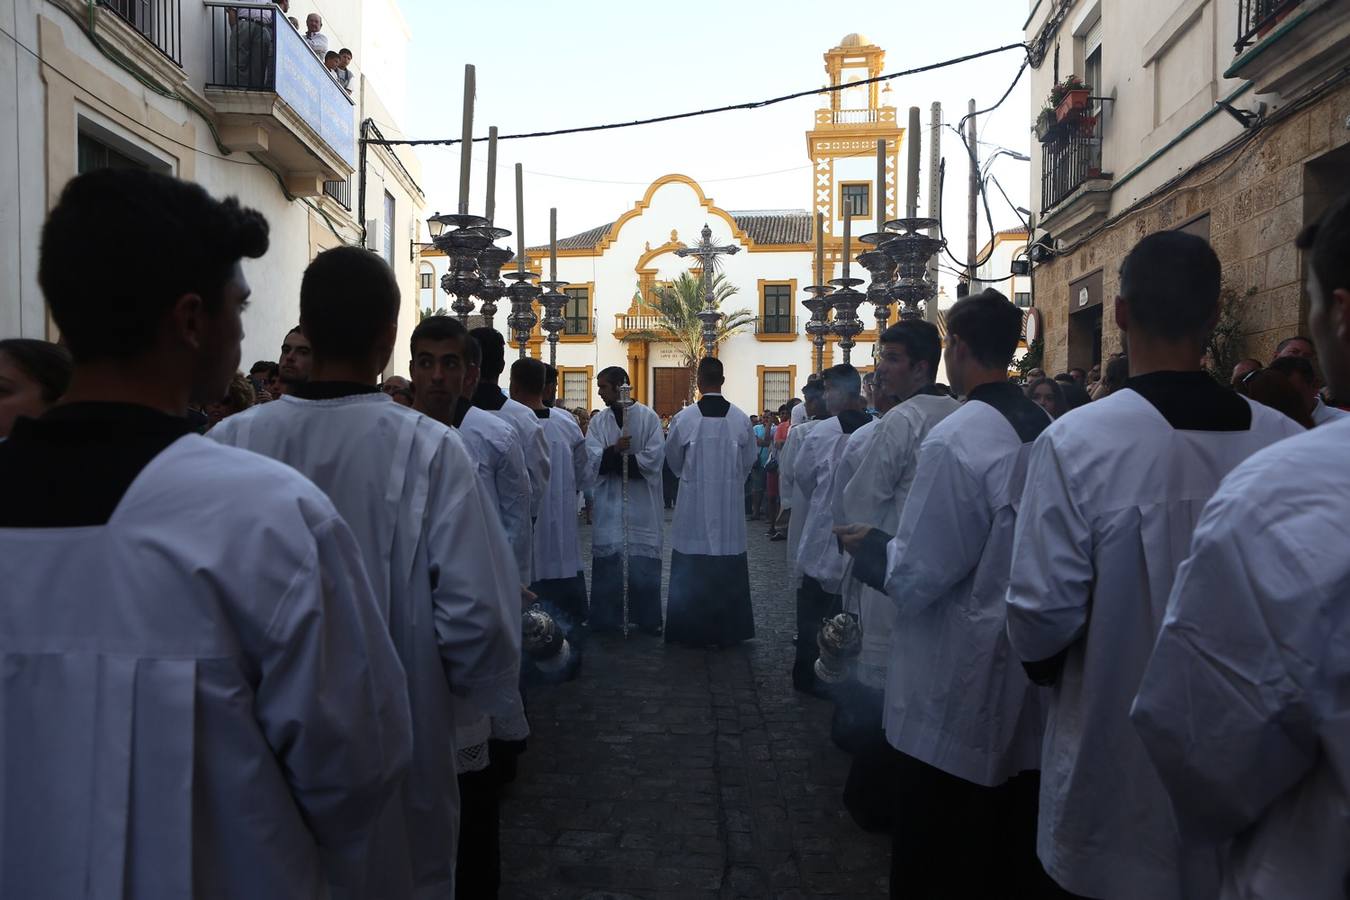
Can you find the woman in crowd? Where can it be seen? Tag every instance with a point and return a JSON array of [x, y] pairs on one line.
[[1048, 394], [33, 375], [239, 398]]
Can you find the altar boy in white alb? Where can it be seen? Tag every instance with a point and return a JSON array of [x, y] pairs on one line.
[[638, 523], [439, 560], [170, 609], [962, 714], [711, 449], [559, 580], [877, 469], [1113, 494], [1254, 752]]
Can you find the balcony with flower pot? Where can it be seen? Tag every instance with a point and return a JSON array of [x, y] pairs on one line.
[[1075, 192]]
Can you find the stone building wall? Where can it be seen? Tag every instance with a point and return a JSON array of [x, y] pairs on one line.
[[1257, 198]]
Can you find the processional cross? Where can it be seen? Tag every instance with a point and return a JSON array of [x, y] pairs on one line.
[[707, 252]]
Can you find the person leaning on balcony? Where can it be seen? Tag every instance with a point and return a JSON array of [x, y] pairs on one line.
[[253, 37], [343, 73], [314, 37]]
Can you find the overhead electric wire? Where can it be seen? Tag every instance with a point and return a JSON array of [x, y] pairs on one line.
[[755, 104]]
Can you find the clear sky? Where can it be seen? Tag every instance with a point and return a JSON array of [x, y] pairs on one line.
[[546, 64]]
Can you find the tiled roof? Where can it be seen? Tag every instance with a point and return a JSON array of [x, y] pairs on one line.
[[764, 226], [775, 226], [586, 240]]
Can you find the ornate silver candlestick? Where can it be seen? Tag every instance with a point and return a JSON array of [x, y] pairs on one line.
[[819, 324], [882, 269], [911, 250], [846, 323], [522, 319], [553, 301], [490, 262]]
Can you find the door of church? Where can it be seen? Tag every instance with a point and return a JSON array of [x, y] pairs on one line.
[[670, 389]]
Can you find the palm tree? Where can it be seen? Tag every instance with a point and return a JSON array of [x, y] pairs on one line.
[[677, 307]]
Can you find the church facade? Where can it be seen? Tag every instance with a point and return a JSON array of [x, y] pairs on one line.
[[615, 269]]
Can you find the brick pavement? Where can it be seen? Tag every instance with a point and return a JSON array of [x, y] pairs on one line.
[[665, 772]]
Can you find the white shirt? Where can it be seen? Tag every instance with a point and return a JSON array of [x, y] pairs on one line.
[[712, 457], [876, 471], [646, 508], [318, 42], [792, 461], [956, 698], [1256, 747], [537, 453], [500, 459], [1112, 497], [445, 577], [170, 707], [557, 553], [818, 553], [1322, 413]]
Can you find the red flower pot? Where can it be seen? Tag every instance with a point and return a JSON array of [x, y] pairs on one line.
[[1073, 102]]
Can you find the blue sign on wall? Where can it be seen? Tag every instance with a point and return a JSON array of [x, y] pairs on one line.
[[305, 85]]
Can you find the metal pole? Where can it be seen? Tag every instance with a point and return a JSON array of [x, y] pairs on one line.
[[972, 213], [915, 148], [625, 393], [934, 166]]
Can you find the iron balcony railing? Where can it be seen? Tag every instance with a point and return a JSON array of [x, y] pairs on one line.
[[158, 21], [1070, 159], [776, 325], [254, 48], [1256, 17], [341, 191]]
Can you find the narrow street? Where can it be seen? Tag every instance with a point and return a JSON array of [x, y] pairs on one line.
[[665, 772]]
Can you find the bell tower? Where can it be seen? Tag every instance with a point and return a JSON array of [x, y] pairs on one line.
[[843, 143]]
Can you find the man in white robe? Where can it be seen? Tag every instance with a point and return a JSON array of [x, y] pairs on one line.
[[439, 560], [788, 483], [1113, 494], [487, 395], [819, 557], [958, 707], [560, 582], [1254, 750], [444, 361], [711, 449], [876, 470], [170, 609], [614, 435]]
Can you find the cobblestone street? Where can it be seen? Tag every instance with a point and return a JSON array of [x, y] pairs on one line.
[[665, 772]]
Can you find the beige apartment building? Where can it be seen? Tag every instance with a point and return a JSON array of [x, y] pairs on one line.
[[1226, 118], [226, 94]]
